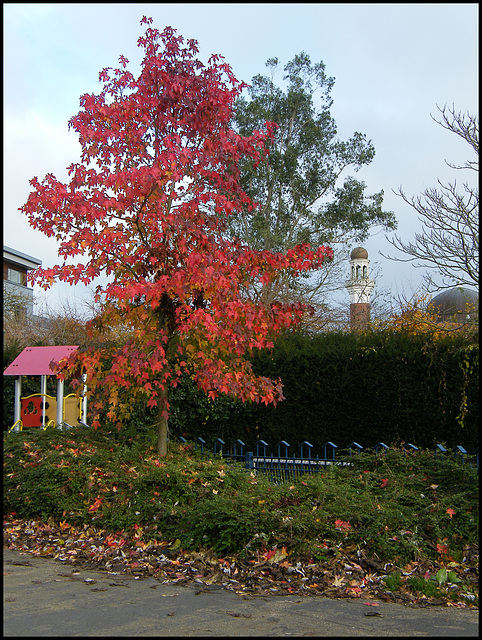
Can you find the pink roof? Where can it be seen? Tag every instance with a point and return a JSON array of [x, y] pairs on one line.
[[35, 361]]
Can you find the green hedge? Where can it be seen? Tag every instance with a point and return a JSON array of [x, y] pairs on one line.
[[389, 387], [340, 387]]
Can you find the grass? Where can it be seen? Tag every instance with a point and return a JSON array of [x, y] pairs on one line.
[[399, 512]]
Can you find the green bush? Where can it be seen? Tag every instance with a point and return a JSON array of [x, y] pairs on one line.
[[369, 388], [397, 506]]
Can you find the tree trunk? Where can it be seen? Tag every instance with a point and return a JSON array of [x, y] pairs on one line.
[[167, 327], [162, 423]]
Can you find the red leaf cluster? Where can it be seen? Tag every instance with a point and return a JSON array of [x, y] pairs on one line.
[[146, 206]]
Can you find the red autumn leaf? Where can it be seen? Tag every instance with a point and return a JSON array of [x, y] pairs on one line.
[[442, 548], [97, 504], [342, 526], [384, 482], [450, 512]]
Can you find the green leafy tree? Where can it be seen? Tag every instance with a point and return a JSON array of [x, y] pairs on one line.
[[299, 190]]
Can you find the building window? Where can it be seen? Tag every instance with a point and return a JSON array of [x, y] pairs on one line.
[[18, 277]]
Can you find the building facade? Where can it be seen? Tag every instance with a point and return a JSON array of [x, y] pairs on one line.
[[18, 297]]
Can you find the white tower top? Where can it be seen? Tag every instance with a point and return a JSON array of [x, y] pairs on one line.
[[359, 285]]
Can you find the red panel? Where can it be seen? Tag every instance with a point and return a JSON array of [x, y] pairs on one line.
[[35, 361], [32, 406], [32, 411]]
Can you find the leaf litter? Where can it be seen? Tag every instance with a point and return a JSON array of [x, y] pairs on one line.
[[346, 572]]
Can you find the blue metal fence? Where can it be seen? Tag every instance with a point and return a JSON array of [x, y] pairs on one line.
[[282, 465]]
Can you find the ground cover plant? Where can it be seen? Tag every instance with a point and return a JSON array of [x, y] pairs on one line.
[[399, 526]]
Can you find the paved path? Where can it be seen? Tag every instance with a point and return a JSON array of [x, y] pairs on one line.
[[43, 597]]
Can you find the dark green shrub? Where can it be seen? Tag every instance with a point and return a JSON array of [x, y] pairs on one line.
[[397, 506], [369, 388]]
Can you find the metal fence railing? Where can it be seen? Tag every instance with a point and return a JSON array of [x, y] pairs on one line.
[[281, 464]]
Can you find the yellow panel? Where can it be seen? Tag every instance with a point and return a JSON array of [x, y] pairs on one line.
[[50, 409], [72, 408]]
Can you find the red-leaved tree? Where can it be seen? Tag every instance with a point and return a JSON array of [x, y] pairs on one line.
[[147, 207]]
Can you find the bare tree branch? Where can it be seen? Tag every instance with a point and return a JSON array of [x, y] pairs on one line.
[[449, 241]]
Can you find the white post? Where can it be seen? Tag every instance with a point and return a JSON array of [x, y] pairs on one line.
[[60, 403], [83, 416], [17, 408], [43, 391]]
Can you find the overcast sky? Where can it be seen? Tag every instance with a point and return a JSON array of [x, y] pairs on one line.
[[392, 64]]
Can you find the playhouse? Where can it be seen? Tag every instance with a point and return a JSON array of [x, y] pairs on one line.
[[40, 409]]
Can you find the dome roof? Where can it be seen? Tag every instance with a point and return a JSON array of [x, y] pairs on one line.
[[458, 301], [359, 252]]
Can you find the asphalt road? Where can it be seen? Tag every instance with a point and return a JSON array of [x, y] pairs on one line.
[[43, 597]]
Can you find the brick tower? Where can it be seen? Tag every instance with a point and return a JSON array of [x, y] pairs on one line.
[[359, 288]]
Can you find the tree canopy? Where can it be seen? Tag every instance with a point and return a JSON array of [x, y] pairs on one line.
[[302, 194], [147, 205]]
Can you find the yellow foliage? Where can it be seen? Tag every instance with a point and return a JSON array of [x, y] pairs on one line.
[[414, 319]]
